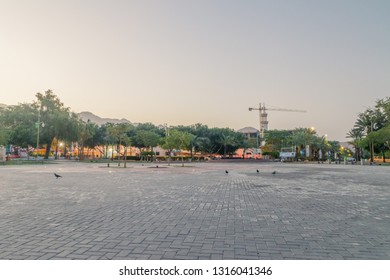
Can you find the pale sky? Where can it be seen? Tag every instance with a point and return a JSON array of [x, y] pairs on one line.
[[197, 61]]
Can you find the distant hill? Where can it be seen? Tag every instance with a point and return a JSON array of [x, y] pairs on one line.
[[85, 116]]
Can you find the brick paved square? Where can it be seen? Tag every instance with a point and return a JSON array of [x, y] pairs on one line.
[[304, 211]]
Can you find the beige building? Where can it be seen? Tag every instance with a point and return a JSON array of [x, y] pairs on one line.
[[249, 132], [251, 152]]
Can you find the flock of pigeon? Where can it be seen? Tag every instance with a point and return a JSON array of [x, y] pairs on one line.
[[227, 172], [257, 170]]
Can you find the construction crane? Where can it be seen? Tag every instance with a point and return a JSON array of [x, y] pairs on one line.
[[263, 117]]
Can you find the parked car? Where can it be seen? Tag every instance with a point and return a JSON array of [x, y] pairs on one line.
[[351, 159]]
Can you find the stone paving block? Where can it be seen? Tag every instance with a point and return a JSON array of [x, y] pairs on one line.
[[306, 212]]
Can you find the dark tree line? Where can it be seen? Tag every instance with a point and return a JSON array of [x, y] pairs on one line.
[[371, 132], [46, 122]]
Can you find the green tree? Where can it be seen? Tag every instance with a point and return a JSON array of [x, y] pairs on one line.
[[248, 143], [19, 125], [4, 130], [4, 135], [177, 140], [276, 139], [383, 105], [224, 141], [87, 132], [334, 149], [302, 137], [204, 145], [227, 140], [367, 122], [126, 141], [146, 139], [117, 134], [356, 135], [381, 138], [199, 141], [121, 134], [55, 116], [43, 121], [320, 147]]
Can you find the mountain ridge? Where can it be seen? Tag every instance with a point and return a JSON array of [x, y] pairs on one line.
[[85, 116]]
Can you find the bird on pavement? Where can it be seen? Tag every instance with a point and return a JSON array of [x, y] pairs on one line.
[[257, 170], [226, 171], [274, 172], [57, 175]]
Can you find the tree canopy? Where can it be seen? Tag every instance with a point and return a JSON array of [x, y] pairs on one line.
[[46, 121], [371, 130]]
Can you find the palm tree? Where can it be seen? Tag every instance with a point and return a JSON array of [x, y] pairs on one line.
[[334, 148], [320, 144], [369, 121], [383, 105], [303, 137], [356, 135], [298, 139], [226, 140]]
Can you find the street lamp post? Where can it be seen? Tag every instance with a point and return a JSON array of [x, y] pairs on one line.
[[371, 146], [38, 124]]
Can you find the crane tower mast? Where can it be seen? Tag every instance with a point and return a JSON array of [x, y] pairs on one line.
[[263, 116]]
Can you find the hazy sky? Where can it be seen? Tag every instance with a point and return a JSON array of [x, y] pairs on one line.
[[198, 61]]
